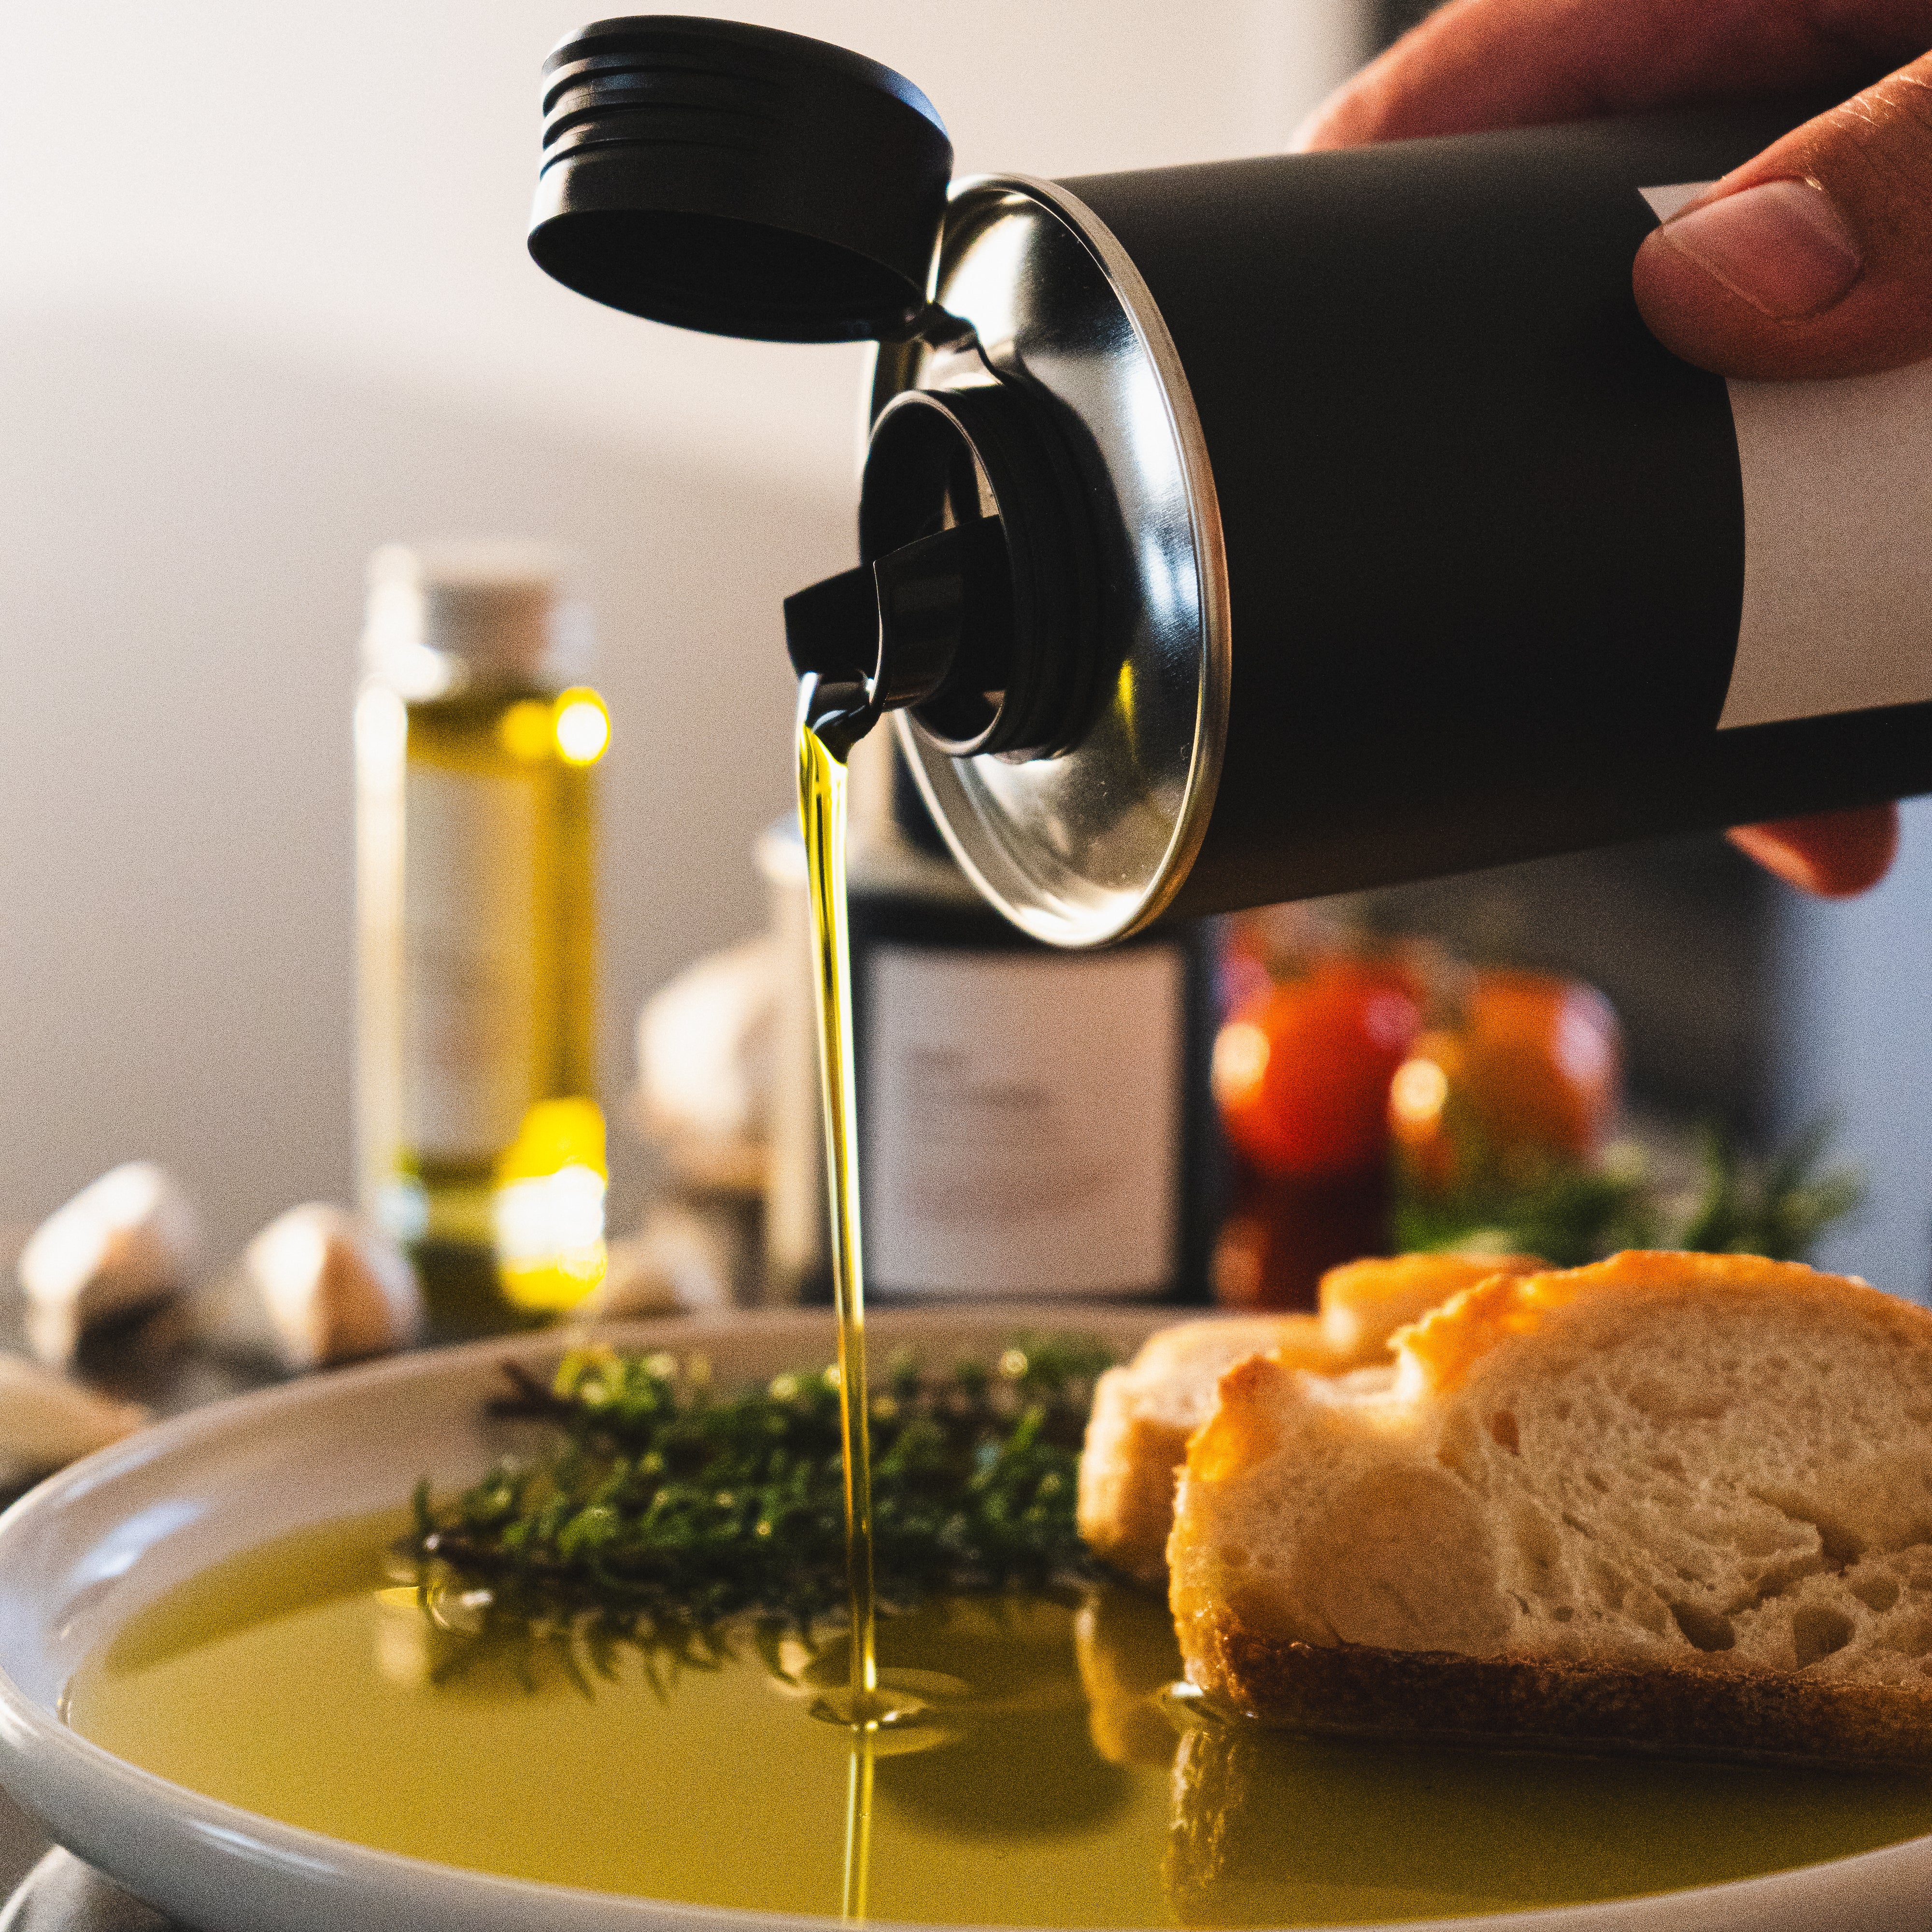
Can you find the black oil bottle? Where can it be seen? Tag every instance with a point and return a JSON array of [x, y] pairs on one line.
[[1242, 532]]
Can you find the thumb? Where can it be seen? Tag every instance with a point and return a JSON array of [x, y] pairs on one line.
[[1814, 259]]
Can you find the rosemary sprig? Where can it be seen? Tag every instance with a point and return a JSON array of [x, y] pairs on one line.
[[1570, 1213], [1565, 1212], [663, 1506], [1777, 1208]]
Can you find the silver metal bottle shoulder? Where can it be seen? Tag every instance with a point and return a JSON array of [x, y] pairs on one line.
[[1091, 845]]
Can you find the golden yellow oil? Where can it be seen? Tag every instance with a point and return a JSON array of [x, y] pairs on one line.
[[1052, 1782], [822, 778], [477, 917]]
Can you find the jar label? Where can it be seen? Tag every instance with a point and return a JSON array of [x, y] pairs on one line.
[[1023, 1121], [470, 965], [1838, 494]]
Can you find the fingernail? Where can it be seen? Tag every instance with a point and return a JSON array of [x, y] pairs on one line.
[[1781, 245]]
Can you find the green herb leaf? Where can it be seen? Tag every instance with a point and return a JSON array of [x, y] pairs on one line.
[[662, 1507], [1777, 1209], [1570, 1213]]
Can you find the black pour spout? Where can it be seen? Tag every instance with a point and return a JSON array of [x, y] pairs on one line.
[[930, 621], [721, 176], [976, 608]]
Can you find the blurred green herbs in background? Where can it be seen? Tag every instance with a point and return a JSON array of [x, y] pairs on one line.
[[1570, 1213]]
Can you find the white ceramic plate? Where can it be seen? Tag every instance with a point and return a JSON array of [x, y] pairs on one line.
[[84, 1552]]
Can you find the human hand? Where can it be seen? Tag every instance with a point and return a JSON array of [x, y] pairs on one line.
[[1813, 258]]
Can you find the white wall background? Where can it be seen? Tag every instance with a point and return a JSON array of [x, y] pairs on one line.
[[264, 305]]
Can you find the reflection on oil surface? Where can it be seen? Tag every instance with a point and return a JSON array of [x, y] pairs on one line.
[[1043, 1775], [1271, 1830]]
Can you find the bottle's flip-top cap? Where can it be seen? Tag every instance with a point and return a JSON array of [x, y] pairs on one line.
[[739, 180]]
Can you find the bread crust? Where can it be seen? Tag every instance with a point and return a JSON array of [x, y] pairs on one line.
[[1444, 1346], [1440, 1696], [1672, 1502]]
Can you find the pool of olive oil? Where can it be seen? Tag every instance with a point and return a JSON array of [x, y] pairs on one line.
[[1052, 1780]]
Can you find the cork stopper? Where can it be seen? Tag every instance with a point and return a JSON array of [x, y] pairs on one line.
[[443, 617]]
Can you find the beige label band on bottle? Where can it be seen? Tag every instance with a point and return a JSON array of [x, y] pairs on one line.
[[469, 964], [1837, 490]]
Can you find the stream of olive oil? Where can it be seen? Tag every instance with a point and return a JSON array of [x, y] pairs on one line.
[[822, 818], [1053, 1783], [821, 812]]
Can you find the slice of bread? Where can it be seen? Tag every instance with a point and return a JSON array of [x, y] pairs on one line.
[[1144, 1413], [1364, 1304], [1680, 1501]]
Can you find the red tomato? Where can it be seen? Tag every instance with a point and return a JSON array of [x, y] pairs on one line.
[[1302, 1070], [1534, 1070]]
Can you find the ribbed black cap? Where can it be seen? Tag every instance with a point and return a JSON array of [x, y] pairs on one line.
[[738, 180]]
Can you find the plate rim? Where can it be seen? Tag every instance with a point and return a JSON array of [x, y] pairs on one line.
[[264, 1860]]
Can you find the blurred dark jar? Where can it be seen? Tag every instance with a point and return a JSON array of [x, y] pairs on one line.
[[1033, 1124]]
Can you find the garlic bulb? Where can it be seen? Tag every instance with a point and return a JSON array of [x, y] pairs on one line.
[[331, 1287], [680, 1261], [127, 1238], [46, 1420]]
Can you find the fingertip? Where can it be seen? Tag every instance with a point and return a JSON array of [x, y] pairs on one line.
[[1690, 313], [1353, 115], [1781, 245], [1812, 259], [1735, 275], [1831, 855], [1325, 125]]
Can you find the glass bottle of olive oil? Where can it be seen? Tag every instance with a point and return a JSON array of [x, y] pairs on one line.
[[480, 1146]]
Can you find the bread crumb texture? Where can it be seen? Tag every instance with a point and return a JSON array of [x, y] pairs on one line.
[[1666, 1463], [1144, 1412]]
